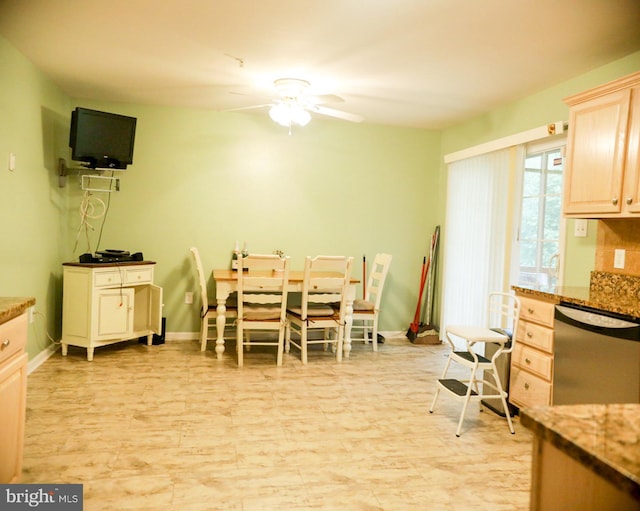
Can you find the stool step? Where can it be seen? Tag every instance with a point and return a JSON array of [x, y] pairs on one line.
[[456, 386]]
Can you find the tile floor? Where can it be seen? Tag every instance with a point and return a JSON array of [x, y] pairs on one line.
[[170, 428]]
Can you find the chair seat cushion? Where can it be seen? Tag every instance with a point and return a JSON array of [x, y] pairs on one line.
[[363, 305], [314, 311], [261, 312], [478, 334]]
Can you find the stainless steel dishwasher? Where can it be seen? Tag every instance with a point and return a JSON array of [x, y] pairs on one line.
[[596, 357]]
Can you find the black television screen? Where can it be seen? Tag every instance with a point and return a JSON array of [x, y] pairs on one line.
[[102, 139]]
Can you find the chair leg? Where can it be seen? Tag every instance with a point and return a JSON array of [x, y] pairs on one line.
[[239, 347], [247, 341], [365, 331], [444, 373], [204, 332], [375, 333], [503, 397], [287, 338], [281, 334], [303, 344], [472, 385]]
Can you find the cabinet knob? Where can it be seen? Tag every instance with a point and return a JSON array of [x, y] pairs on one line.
[[526, 386], [629, 200], [527, 360], [529, 335], [614, 201], [530, 310], [5, 344]]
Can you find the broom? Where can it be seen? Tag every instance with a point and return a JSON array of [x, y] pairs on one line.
[[417, 328]]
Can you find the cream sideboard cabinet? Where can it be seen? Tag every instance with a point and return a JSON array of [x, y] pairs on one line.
[[107, 303], [13, 395], [602, 170], [531, 379]]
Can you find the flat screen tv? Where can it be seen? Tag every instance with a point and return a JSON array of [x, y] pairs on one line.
[[102, 140]]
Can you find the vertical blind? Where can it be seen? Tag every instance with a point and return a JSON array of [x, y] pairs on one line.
[[477, 240]]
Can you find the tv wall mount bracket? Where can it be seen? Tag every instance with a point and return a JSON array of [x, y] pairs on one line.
[[91, 180]]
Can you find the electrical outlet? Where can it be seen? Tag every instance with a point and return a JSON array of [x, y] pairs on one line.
[[188, 297], [580, 226], [618, 259], [32, 310]]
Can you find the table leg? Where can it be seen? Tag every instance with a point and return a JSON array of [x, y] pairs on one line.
[[221, 321]]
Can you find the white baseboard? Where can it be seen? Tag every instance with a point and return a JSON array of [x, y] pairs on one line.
[[182, 336], [41, 357]]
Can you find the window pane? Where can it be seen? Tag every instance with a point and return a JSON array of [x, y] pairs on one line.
[[528, 256], [529, 223], [531, 185], [554, 183], [533, 162], [552, 216], [549, 249]]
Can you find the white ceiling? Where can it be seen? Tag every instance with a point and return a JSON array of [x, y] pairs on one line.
[[420, 63]]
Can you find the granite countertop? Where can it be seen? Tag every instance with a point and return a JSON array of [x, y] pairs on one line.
[[608, 292], [605, 438], [12, 307]]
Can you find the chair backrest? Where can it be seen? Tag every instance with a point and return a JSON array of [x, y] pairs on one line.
[[204, 306], [503, 314], [262, 262], [326, 280], [266, 286], [377, 277]]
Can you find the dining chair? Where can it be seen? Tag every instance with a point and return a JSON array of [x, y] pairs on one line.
[[323, 305], [503, 313], [262, 301], [367, 310], [208, 311]]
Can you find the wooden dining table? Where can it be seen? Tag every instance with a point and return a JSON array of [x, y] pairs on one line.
[[227, 282]]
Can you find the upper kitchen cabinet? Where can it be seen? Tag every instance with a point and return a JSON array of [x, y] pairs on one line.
[[602, 170]]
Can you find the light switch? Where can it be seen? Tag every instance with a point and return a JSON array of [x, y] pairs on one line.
[[580, 227], [12, 161], [618, 258]]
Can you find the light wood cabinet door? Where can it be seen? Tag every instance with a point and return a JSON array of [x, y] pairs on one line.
[[631, 193], [602, 170], [596, 154], [13, 395]]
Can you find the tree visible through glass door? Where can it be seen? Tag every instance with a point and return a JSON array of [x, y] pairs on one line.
[[541, 217]]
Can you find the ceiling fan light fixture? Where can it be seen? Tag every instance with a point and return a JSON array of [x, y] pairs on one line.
[[287, 114]]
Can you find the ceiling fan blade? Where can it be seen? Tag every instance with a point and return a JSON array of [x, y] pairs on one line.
[[339, 114], [251, 107], [323, 99]]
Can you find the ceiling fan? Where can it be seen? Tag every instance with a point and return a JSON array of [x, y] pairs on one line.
[[293, 105]]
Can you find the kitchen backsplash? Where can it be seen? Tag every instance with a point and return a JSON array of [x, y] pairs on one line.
[[625, 287], [618, 233]]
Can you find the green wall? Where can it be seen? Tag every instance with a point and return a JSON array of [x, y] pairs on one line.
[[33, 121], [537, 110], [208, 179]]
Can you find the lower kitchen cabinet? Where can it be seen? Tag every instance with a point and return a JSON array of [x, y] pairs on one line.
[[531, 380], [13, 395], [104, 304]]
